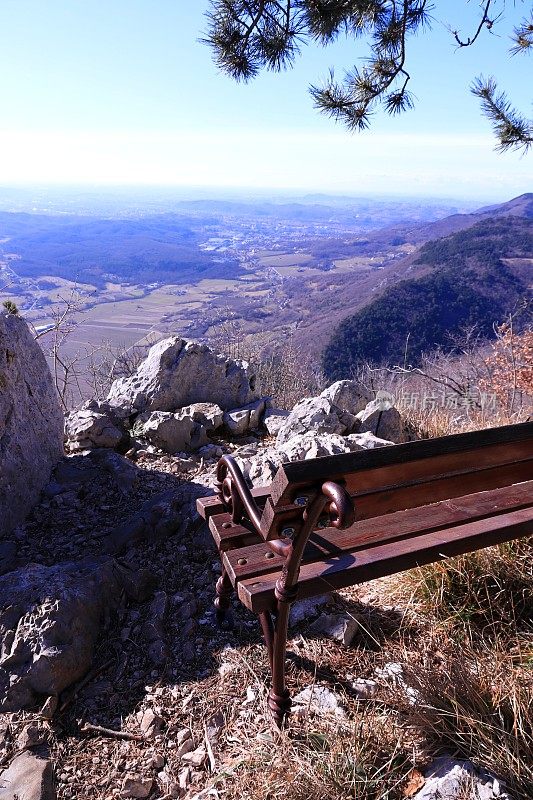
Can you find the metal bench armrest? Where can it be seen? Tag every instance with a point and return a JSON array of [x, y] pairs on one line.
[[235, 494]]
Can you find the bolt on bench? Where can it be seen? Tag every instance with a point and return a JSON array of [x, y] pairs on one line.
[[336, 521]]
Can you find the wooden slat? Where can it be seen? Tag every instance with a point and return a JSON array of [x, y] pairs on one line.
[[411, 494], [402, 524], [348, 569], [292, 477], [207, 506], [227, 538], [440, 466]]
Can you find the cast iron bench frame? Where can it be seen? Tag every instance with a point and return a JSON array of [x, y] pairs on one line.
[[332, 522]]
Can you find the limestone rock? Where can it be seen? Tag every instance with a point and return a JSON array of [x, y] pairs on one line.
[[240, 420], [365, 688], [31, 422], [347, 395], [274, 419], [28, 777], [339, 627], [382, 419], [365, 441], [177, 372], [315, 445], [89, 427], [306, 610], [449, 779], [172, 433], [209, 415], [49, 622], [319, 700], [260, 466], [317, 414]]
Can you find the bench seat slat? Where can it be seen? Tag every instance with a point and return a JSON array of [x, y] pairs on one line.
[[348, 569], [208, 506], [227, 538], [409, 523]]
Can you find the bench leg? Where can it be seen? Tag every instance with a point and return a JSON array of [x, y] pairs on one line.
[[224, 590], [279, 700]]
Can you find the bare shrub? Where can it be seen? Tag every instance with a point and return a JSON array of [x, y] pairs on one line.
[[105, 363], [510, 368], [286, 373], [66, 368], [481, 385]]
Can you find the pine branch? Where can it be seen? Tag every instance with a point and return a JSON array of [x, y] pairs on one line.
[[513, 131], [248, 35]]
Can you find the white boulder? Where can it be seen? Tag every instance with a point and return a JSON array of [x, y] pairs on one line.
[[209, 415], [260, 465], [274, 419], [347, 395], [178, 372], [86, 428], [171, 433], [49, 622], [380, 418], [317, 414], [240, 420]]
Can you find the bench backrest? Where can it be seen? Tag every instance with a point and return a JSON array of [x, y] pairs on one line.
[[410, 475]]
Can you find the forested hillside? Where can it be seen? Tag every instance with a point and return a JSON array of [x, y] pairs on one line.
[[472, 278]]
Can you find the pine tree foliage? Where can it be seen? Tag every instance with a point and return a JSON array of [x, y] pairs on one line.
[[250, 35]]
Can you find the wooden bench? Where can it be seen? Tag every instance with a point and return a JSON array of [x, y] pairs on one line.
[[337, 521]]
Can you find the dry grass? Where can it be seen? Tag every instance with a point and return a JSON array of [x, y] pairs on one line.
[[366, 755], [479, 704], [476, 697], [481, 595]]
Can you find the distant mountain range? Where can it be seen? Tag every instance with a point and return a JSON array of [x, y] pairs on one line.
[[474, 274]]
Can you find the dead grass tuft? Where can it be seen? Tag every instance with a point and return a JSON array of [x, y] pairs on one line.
[[479, 705], [487, 594], [361, 760]]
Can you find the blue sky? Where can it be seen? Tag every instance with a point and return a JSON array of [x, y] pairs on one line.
[[122, 92]]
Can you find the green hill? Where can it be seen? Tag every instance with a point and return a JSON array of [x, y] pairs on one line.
[[467, 278]]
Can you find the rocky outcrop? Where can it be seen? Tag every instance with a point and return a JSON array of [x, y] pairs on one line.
[[177, 372], [209, 415], [316, 414], [274, 419], [50, 618], [94, 425], [347, 395], [240, 420], [169, 432], [449, 779], [259, 465], [31, 422], [382, 419]]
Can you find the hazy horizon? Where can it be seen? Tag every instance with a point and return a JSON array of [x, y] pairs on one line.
[[33, 191]]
